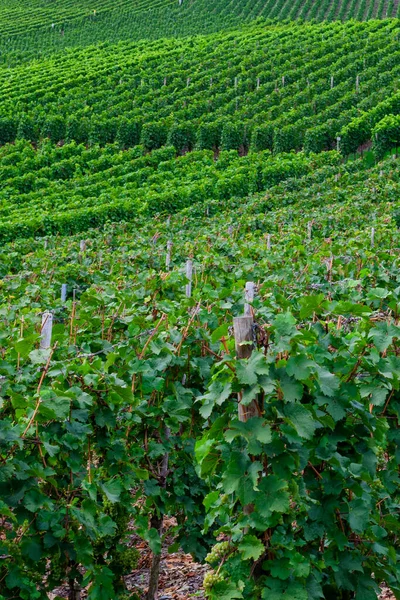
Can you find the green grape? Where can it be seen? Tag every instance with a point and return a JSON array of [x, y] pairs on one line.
[[210, 579]]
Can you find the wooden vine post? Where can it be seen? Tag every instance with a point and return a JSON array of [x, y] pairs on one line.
[[46, 331], [249, 299], [189, 276], [63, 292], [243, 328], [372, 237]]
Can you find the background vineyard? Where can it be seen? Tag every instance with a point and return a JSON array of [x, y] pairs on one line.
[[157, 159]]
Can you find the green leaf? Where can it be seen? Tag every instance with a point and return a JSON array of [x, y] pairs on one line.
[[328, 382], [254, 430], [112, 490], [100, 579], [32, 548], [25, 346], [312, 304], [152, 537], [221, 331], [55, 407], [216, 395], [300, 367], [292, 390], [247, 370], [282, 590], [39, 357], [51, 449], [301, 419], [210, 499], [285, 324], [273, 496], [358, 515], [225, 590], [251, 547]]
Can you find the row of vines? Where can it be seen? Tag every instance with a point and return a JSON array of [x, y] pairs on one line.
[[131, 412]]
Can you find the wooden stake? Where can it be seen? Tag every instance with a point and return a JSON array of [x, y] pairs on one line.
[[189, 275], [372, 237], [249, 299], [309, 229], [82, 245], [269, 241], [46, 330], [243, 331], [332, 82], [258, 83], [63, 292], [338, 139]]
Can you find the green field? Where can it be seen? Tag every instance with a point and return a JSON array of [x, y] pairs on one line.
[[199, 297]]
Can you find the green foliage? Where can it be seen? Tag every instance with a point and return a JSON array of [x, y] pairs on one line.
[[233, 136], [386, 135], [27, 128], [102, 131], [262, 138], [132, 416], [182, 137], [154, 135], [77, 129], [128, 134], [8, 129], [209, 136], [54, 128]]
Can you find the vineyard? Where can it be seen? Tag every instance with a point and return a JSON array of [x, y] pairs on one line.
[[199, 298], [41, 26]]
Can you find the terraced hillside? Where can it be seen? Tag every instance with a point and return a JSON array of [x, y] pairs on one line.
[[199, 298]]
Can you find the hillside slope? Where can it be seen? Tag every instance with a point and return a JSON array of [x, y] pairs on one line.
[[38, 26]]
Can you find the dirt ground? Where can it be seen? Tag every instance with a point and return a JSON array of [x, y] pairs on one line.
[[180, 579]]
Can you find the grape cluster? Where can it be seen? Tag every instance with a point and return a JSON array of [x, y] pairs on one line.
[[217, 552], [210, 579]]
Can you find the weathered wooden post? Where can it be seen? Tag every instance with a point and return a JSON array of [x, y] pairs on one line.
[[189, 275], [357, 83], [309, 229], [269, 241], [46, 330], [332, 82], [243, 331], [82, 245], [258, 83], [338, 139], [372, 237], [63, 292], [249, 293]]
